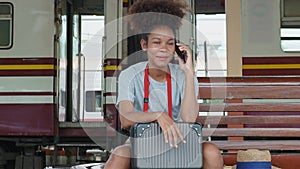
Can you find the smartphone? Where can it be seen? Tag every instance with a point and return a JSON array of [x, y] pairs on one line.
[[180, 54]]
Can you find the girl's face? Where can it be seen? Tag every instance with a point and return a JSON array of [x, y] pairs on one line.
[[160, 46]]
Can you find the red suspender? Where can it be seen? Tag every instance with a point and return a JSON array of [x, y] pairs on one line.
[[169, 83], [146, 91]]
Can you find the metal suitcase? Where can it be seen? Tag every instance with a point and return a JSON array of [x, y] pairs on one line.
[[149, 150]]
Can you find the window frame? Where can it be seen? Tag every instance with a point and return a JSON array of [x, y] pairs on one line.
[[288, 21], [9, 17]]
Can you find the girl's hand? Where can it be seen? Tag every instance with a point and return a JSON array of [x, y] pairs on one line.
[[170, 130], [188, 66]]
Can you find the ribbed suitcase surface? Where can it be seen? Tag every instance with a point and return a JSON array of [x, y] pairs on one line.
[[149, 150]]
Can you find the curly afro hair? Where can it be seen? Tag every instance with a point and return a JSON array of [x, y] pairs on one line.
[[144, 15]]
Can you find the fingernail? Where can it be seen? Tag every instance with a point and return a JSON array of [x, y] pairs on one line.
[[171, 145], [176, 145], [184, 141]]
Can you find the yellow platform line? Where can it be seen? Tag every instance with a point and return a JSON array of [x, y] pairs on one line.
[[26, 67], [272, 66]]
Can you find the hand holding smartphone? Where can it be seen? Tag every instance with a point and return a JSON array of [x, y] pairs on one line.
[[180, 53]]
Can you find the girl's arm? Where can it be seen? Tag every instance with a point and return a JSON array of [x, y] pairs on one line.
[[189, 105], [128, 117]]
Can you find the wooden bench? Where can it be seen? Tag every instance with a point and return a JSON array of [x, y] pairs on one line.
[[252, 112]]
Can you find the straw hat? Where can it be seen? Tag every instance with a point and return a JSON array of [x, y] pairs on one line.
[[254, 158], [254, 155]]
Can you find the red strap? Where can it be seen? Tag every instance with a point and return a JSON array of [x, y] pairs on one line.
[[146, 91], [169, 83]]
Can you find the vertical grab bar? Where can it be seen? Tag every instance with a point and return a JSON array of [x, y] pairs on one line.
[[82, 71], [103, 99], [206, 72], [205, 59]]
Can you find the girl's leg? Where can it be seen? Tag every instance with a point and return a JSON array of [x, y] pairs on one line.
[[212, 158], [120, 158]]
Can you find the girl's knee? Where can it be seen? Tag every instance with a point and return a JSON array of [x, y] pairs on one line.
[[122, 151], [211, 150], [120, 158], [210, 146], [212, 156]]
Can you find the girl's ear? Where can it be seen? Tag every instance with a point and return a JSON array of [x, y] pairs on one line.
[[144, 44]]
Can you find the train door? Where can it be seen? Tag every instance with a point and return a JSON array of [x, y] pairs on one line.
[[92, 33], [68, 53], [79, 47], [211, 38]]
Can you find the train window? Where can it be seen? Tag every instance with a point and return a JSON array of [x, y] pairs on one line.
[[290, 25], [211, 45], [290, 13], [6, 25], [93, 101], [92, 28]]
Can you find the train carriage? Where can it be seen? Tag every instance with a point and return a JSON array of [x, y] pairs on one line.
[[58, 73], [41, 74]]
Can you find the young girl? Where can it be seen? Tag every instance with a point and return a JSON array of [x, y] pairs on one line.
[[157, 90]]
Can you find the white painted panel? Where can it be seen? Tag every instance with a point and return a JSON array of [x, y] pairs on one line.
[[26, 84], [111, 100], [111, 84], [25, 99]]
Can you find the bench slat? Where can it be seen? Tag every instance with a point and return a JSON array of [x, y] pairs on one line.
[[256, 132], [270, 145], [249, 119], [249, 92], [294, 80], [249, 107]]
